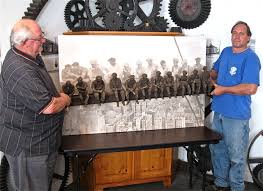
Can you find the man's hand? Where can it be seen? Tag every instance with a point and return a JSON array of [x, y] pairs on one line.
[[66, 97], [219, 90], [57, 104]]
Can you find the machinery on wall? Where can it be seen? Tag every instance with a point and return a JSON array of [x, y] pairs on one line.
[[75, 14], [124, 15], [130, 15], [34, 9], [127, 15]]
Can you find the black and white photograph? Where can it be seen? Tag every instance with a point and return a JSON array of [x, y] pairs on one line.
[[139, 86]]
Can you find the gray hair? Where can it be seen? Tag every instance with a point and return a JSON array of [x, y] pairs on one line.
[[20, 35]]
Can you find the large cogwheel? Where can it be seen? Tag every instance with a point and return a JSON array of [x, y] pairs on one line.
[[75, 15], [189, 14], [144, 20], [111, 14]]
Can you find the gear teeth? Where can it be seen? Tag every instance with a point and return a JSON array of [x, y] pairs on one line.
[[92, 24], [148, 22], [74, 24], [196, 22]]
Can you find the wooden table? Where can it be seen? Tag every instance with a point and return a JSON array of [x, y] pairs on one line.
[[80, 145]]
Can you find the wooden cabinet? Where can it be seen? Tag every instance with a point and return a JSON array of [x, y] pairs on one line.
[[125, 168], [113, 167], [153, 164]]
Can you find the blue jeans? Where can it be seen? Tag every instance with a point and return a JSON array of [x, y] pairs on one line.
[[229, 155]]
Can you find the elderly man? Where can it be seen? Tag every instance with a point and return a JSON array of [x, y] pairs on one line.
[[31, 111]]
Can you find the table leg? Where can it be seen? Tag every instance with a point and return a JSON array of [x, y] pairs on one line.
[[66, 172], [204, 176], [204, 168], [78, 173], [190, 163]]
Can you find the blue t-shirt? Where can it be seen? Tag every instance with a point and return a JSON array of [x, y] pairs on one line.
[[234, 69]]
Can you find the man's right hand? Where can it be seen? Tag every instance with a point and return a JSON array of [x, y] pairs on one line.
[[57, 104], [66, 97]]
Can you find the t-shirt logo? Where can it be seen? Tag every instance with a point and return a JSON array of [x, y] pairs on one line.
[[233, 71]]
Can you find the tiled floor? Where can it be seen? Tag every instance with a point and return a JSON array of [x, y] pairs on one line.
[[180, 183]]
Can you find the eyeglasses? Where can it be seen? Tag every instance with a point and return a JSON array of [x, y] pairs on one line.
[[38, 39]]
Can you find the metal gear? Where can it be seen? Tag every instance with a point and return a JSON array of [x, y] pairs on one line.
[[118, 10], [94, 19], [124, 6], [189, 15], [113, 21], [156, 8], [161, 24], [258, 174], [34, 9], [156, 24], [129, 25], [75, 14], [127, 5], [142, 22]]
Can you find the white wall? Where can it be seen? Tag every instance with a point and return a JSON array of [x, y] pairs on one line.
[[224, 14], [10, 12]]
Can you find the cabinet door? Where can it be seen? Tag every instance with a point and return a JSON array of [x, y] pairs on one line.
[[113, 167], [152, 163]]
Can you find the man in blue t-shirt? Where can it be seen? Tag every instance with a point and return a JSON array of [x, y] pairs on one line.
[[236, 77]]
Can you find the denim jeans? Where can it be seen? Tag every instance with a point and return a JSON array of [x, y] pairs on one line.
[[229, 155]]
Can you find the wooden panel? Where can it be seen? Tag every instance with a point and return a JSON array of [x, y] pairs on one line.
[[113, 167], [152, 163]]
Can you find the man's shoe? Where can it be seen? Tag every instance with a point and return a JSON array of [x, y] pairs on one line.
[[217, 188], [223, 188]]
